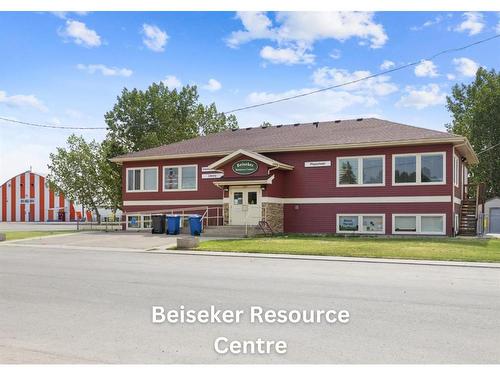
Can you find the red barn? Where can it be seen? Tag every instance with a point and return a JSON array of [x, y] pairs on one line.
[[27, 198], [351, 176]]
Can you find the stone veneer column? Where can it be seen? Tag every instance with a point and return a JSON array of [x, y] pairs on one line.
[[225, 213], [274, 215]]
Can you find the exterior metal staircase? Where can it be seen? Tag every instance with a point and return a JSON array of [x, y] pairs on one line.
[[472, 205]]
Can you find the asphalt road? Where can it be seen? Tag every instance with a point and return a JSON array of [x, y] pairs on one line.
[[75, 306]]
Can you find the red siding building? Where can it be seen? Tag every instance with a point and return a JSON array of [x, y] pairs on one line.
[[28, 198], [365, 176]]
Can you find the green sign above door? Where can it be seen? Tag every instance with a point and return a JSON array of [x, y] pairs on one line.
[[245, 167]]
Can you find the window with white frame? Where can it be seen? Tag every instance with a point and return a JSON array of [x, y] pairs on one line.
[[418, 223], [361, 223], [142, 179], [138, 222], [360, 171], [180, 177], [456, 170], [426, 168]]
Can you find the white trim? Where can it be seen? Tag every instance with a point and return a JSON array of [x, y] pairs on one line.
[[245, 182], [418, 169], [360, 171], [419, 224], [457, 200], [173, 202], [179, 177], [250, 154], [405, 199], [141, 190], [325, 200], [456, 170], [360, 224]]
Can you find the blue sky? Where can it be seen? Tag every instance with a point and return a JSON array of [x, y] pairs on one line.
[[68, 68]]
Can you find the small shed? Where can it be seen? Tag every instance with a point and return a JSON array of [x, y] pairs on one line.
[[492, 210]]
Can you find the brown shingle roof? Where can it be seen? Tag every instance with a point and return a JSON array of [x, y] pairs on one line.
[[328, 133]]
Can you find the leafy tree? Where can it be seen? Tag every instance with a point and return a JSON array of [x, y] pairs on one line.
[[78, 172], [475, 109], [347, 176], [156, 116]]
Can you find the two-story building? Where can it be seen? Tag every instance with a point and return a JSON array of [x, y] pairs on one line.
[[351, 176]]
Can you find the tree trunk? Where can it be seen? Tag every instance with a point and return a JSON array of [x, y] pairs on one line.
[[97, 215]]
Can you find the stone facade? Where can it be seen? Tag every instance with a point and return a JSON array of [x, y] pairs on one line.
[[225, 213], [273, 214]]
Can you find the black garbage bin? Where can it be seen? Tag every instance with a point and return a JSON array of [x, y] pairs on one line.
[[158, 224]]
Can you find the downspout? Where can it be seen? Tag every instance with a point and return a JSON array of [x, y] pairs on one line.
[[455, 231]]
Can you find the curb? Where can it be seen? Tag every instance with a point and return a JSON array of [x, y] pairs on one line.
[[36, 238], [323, 258]]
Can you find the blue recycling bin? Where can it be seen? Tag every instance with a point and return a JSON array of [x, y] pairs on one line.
[[173, 224], [195, 225]]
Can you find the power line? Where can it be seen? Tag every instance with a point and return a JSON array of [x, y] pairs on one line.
[[434, 56], [364, 78], [489, 148], [50, 126]]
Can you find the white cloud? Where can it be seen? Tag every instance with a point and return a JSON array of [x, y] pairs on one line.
[[300, 30], [377, 86], [212, 85], [288, 56], [81, 34], [473, 23], [64, 15], [256, 26], [105, 70], [335, 54], [321, 106], [426, 69], [387, 64], [435, 21], [465, 66], [154, 38], [425, 96], [22, 101], [172, 82], [450, 76]]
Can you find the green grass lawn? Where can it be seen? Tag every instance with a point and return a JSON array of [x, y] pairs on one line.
[[458, 249], [20, 235]]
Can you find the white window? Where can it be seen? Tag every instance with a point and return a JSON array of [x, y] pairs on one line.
[[139, 222], [180, 177], [456, 170], [418, 223], [361, 171], [361, 223], [142, 179], [412, 169]]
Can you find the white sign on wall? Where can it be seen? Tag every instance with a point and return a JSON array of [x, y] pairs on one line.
[[208, 170], [312, 164], [212, 175]]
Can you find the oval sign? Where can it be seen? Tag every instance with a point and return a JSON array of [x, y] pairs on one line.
[[245, 167]]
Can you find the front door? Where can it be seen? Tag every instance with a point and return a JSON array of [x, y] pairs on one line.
[[244, 205]]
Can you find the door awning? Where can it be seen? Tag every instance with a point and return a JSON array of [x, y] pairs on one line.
[[254, 180], [254, 155]]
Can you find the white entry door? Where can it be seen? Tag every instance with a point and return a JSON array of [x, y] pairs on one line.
[[245, 205]]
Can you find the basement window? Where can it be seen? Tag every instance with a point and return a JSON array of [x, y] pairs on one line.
[[432, 224], [361, 223]]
